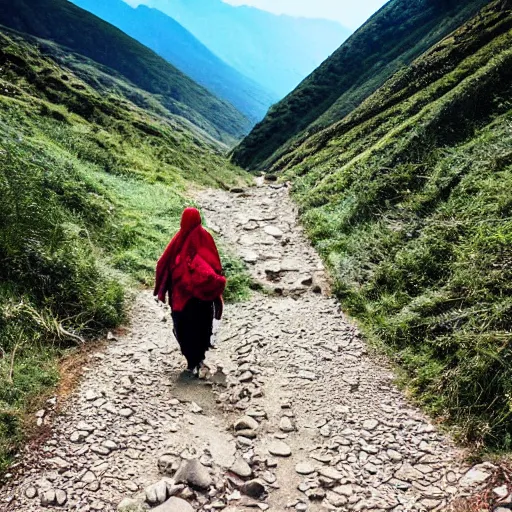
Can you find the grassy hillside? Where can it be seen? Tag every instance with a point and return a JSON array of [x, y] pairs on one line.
[[178, 46], [275, 51], [409, 201], [397, 34], [68, 25], [92, 188]]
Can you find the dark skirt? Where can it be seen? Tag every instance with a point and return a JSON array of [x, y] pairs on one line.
[[193, 330]]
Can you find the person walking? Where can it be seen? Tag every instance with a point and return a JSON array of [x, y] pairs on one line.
[[190, 273]]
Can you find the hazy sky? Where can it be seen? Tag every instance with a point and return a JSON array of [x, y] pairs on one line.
[[350, 13]]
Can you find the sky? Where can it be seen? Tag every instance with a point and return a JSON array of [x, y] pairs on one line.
[[350, 13]]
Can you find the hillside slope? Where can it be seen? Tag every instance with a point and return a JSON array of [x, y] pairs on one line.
[[92, 187], [275, 51], [177, 45], [68, 25], [393, 37], [408, 200]]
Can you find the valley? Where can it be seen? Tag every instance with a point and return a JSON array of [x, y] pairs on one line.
[[365, 227]]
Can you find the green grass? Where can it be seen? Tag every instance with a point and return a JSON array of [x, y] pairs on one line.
[[408, 200], [92, 190]]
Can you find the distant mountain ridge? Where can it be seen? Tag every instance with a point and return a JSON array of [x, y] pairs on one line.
[[178, 46], [275, 51], [68, 25], [393, 37]]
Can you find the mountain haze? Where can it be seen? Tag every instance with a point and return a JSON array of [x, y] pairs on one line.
[[68, 25], [275, 51], [174, 43], [397, 34]]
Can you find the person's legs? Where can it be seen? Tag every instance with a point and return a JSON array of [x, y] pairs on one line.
[[193, 328]]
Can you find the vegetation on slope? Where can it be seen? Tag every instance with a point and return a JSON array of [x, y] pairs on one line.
[[91, 188], [408, 200], [68, 25], [397, 34], [177, 45]]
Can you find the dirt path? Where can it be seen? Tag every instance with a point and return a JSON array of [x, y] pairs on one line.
[[295, 405]]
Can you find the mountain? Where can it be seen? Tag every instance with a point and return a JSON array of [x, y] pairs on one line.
[[275, 51], [397, 34], [407, 198], [174, 43], [72, 27]]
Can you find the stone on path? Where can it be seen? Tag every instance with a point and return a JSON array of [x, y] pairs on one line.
[[330, 473], [85, 427], [316, 494], [408, 473], [501, 492], [304, 468], [250, 256], [273, 231], [167, 464], [100, 450], [88, 478], [193, 473], [394, 455], [60, 463], [60, 497], [78, 436], [344, 490], [279, 449], [110, 445], [336, 500], [253, 489], [174, 505], [156, 493], [285, 425], [129, 505], [246, 423], [241, 468], [370, 424], [246, 376], [194, 408], [126, 412], [48, 498], [475, 476], [30, 492], [91, 395]]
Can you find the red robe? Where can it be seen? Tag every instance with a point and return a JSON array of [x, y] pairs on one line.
[[191, 246]]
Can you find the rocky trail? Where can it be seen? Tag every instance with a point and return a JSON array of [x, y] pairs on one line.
[[295, 414]]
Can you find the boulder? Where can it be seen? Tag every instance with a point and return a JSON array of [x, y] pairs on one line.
[[156, 493], [253, 489], [246, 423], [279, 449], [193, 473], [241, 468]]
